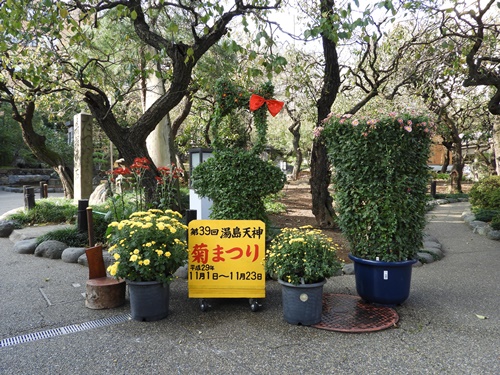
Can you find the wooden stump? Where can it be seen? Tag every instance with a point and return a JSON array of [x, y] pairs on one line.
[[104, 293]]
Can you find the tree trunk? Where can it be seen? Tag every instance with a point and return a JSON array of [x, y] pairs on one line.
[[458, 168], [322, 207], [36, 144], [447, 159], [322, 202], [158, 142], [298, 162], [66, 176], [295, 130], [496, 142]]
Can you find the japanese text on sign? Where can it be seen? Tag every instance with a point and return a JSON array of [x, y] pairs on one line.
[[226, 258], [227, 232]]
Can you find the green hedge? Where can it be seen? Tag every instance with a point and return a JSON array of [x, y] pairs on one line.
[[485, 194]]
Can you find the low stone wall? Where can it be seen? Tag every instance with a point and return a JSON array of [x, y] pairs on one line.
[[28, 176]]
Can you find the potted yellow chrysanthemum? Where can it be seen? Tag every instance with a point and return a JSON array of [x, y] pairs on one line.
[[148, 248], [302, 258]]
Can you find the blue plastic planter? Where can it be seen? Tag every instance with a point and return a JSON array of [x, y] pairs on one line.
[[383, 283]]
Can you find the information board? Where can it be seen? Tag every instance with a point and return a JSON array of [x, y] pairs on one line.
[[226, 259]]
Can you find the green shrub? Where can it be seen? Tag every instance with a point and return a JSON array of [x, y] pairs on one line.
[[237, 181], [51, 210], [486, 215], [486, 193], [70, 236], [495, 222], [100, 224], [439, 176], [273, 205], [380, 182]]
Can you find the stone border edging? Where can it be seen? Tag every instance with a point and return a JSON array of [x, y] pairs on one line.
[[480, 227]]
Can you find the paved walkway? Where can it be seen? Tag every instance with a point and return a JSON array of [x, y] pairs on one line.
[[12, 201], [439, 331]]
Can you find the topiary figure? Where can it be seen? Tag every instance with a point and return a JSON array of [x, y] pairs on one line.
[[236, 179]]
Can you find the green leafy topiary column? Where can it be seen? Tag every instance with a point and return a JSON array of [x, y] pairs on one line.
[[380, 182]]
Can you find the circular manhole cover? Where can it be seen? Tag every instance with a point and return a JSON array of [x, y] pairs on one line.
[[346, 313]]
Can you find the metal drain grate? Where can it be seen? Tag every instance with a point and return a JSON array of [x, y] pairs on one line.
[[64, 330], [346, 313]]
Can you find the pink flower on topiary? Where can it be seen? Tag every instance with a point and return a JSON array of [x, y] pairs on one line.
[[317, 131]]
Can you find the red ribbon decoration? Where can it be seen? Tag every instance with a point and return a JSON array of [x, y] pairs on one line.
[[274, 106]]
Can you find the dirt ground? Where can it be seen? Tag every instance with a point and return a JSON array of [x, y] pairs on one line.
[[297, 199]]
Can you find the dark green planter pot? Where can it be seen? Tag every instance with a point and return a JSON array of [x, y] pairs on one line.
[[149, 300], [383, 283], [302, 304]]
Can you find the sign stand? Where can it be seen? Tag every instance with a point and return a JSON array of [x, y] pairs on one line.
[[226, 260]]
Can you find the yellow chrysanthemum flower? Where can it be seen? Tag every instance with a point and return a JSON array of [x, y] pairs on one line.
[[113, 268], [146, 262]]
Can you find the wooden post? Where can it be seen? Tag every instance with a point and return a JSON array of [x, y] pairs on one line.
[[90, 224], [41, 190], [29, 197]]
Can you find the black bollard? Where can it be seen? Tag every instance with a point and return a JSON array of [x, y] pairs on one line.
[[29, 197], [90, 223], [45, 190], [190, 216], [81, 218], [433, 189]]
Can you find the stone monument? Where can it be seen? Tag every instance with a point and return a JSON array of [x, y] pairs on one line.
[[84, 148]]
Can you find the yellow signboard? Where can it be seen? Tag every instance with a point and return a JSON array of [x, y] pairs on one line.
[[226, 259]]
